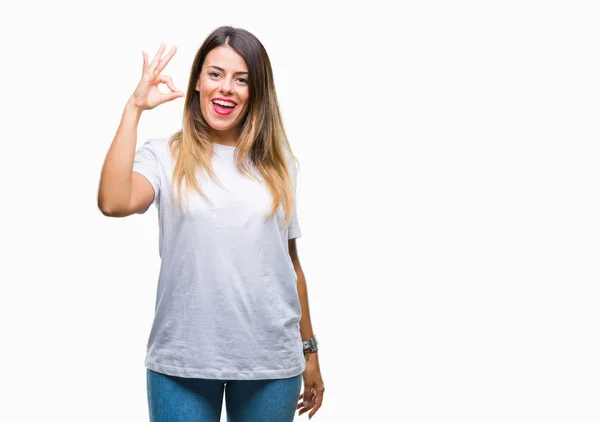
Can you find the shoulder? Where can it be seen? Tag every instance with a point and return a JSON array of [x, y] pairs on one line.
[[292, 162], [293, 166], [157, 147], [156, 144]]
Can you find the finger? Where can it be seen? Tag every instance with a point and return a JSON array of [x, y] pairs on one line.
[[157, 57], [145, 58], [306, 407], [163, 62], [316, 407], [170, 96], [308, 395], [169, 82]]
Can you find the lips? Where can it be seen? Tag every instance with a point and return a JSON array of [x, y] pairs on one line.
[[227, 100], [223, 111]]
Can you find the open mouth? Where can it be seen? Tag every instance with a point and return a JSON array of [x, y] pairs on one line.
[[222, 109]]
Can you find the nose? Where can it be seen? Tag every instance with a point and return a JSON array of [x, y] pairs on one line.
[[226, 86]]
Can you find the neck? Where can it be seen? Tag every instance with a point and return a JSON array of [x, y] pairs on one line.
[[225, 137]]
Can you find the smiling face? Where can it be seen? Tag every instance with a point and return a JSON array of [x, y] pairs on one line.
[[224, 76]]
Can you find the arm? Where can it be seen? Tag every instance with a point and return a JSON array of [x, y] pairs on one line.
[[123, 192], [306, 331], [312, 397]]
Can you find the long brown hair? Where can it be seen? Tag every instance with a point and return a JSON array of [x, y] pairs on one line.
[[262, 139]]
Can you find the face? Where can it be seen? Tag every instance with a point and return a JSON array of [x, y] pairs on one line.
[[224, 76]]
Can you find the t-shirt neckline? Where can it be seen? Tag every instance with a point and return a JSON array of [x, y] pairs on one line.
[[222, 147]]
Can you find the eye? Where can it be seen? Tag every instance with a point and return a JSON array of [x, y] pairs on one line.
[[215, 74]]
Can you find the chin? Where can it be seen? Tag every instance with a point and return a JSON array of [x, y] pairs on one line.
[[220, 127]]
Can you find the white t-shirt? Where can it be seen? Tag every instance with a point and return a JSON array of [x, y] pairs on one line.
[[227, 304]]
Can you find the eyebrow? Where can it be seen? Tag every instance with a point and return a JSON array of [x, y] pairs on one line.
[[223, 70]]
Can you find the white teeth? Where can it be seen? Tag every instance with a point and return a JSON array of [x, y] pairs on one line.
[[224, 103]]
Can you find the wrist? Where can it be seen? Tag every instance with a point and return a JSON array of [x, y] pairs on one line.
[[310, 344], [311, 356], [309, 347], [132, 106]]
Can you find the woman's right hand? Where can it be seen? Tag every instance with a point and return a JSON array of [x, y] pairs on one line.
[[146, 95]]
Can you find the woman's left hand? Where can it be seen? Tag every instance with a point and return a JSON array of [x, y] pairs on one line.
[[312, 397]]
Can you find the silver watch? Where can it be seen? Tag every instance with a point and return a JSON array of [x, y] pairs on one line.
[[310, 345]]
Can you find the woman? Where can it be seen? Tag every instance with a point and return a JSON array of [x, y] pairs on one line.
[[231, 314]]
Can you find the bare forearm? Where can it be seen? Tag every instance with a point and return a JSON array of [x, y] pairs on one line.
[[115, 180], [306, 331]]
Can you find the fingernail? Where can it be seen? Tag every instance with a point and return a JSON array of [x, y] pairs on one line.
[[305, 403]]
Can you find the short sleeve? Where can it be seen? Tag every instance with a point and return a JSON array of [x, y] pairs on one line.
[[145, 162], [294, 227]]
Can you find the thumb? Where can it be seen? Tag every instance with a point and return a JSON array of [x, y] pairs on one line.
[[171, 96], [308, 396]]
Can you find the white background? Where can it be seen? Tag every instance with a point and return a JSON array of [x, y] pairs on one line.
[[448, 198]]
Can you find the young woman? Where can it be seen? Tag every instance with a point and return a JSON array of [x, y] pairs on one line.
[[231, 313]]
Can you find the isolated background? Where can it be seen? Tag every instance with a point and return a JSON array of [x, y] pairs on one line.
[[448, 199]]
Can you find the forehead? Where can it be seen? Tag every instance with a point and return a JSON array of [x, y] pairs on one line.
[[225, 58]]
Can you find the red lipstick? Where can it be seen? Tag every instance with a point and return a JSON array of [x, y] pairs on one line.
[[223, 110]]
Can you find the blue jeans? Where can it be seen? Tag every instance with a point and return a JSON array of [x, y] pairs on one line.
[[176, 399]]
